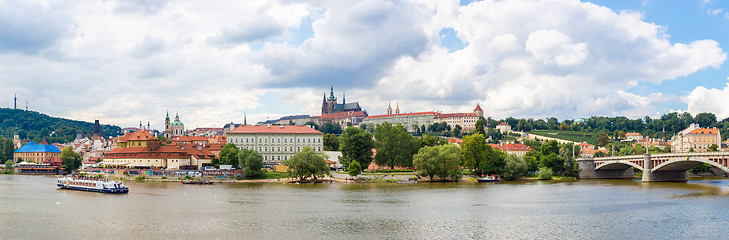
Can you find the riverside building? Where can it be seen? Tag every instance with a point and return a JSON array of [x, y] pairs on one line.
[[276, 143]]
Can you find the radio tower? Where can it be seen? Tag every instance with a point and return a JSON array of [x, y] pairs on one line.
[[15, 104]]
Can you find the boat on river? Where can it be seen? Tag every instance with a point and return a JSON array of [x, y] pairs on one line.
[[92, 184], [489, 178]]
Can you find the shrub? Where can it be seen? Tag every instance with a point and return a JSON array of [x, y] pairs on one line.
[[545, 174], [139, 178]]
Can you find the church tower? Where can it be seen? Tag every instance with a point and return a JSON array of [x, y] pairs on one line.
[[389, 109], [478, 111], [167, 132], [397, 108]]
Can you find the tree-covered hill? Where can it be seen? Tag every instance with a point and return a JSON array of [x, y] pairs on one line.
[[35, 126]]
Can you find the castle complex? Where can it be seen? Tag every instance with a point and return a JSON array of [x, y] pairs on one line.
[[330, 105]]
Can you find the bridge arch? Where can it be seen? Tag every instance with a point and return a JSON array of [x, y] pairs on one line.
[[684, 164], [618, 165]]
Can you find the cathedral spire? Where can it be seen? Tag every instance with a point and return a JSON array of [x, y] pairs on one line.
[[331, 93], [389, 108], [397, 108]]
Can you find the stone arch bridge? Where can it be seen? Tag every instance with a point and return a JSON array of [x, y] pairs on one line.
[[661, 167]]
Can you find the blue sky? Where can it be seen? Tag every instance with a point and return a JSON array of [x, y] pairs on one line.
[[129, 61]]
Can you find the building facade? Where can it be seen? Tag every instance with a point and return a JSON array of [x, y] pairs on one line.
[[467, 121], [175, 128], [343, 119], [140, 138], [36, 153], [276, 143], [503, 127], [696, 138], [410, 121]]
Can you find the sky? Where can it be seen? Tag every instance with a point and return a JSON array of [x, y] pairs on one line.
[[213, 62]]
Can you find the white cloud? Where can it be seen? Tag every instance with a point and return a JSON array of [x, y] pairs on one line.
[[712, 100], [563, 58], [130, 61], [714, 11]]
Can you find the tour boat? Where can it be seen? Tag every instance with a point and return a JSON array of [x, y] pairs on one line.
[[489, 178], [91, 184]]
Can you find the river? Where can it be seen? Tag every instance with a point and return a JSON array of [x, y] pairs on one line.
[[33, 208]]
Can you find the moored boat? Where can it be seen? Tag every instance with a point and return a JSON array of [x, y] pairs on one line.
[[91, 184], [489, 178]]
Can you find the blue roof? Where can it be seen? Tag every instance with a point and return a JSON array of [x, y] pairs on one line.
[[34, 147]]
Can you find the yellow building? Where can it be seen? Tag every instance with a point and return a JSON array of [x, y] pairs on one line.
[[32, 152], [140, 138]]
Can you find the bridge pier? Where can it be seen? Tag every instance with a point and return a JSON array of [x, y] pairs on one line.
[[587, 171], [660, 176]]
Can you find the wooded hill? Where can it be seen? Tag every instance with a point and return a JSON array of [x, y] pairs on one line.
[[35, 126]]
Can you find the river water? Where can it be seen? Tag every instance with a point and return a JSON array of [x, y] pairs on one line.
[[31, 207]]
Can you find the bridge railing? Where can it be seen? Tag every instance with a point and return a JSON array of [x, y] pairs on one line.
[[659, 155]]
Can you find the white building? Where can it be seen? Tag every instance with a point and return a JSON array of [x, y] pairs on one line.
[[503, 127], [408, 120], [276, 143]]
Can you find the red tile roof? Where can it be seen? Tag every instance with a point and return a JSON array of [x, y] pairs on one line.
[[503, 124], [478, 108], [274, 129], [704, 131], [141, 135], [633, 134], [402, 114]]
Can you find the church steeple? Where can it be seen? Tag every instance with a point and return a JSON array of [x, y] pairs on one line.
[[167, 119], [397, 108], [389, 108], [331, 93]]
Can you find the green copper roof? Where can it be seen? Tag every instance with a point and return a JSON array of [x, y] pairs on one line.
[[177, 123]]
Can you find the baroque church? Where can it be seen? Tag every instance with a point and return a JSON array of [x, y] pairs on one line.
[[174, 129], [330, 105]]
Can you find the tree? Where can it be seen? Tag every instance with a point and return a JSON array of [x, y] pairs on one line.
[[6, 149], [331, 128], [395, 146], [429, 141], [457, 131], [251, 161], [551, 147], [9, 167], [532, 159], [480, 127], [705, 120], [713, 147], [441, 161], [515, 167], [363, 126], [229, 155], [552, 161], [354, 169], [331, 142], [307, 163], [602, 139], [356, 144], [473, 151], [495, 161], [71, 160]]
